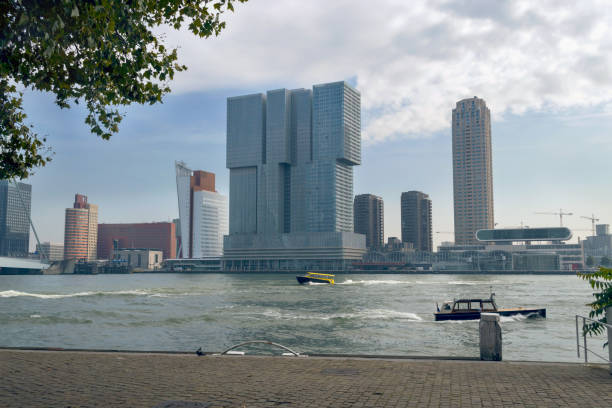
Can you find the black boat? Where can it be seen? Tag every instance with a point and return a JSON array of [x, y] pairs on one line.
[[470, 309]]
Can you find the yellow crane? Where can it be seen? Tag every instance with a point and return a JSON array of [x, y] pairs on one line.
[[561, 213], [593, 221]]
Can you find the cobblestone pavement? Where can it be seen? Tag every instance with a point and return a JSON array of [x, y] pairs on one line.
[[91, 379]]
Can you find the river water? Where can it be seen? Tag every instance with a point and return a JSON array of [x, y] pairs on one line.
[[361, 314]]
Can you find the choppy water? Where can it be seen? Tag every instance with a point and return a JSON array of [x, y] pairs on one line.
[[367, 314]]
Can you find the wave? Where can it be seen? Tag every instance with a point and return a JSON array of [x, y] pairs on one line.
[[16, 293], [519, 317], [372, 282], [364, 314]]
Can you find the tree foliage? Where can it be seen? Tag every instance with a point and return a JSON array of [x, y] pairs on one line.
[[102, 53], [601, 282], [605, 261], [590, 261]]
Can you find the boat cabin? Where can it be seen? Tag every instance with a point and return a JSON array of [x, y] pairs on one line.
[[473, 305]]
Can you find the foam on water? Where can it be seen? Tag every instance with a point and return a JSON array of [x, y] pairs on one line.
[[384, 314], [16, 293], [372, 282]]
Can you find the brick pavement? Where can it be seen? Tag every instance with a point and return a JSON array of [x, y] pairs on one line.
[[91, 379]]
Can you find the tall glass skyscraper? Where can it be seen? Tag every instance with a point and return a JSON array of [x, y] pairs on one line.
[[15, 205], [416, 220], [472, 169], [291, 155]]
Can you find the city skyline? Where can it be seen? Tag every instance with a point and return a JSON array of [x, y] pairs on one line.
[[561, 132]]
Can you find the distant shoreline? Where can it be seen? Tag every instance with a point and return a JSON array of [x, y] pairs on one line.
[[352, 272]]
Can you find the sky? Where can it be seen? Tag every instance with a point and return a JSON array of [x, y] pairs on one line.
[[544, 69]]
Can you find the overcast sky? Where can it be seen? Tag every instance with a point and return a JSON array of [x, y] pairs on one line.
[[544, 69]]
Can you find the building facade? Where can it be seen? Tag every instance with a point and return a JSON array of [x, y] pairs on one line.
[[291, 155], [51, 251], [521, 249], [81, 230], [139, 258], [599, 245], [416, 220], [153, 235], [15, 208], [369, 219], [472, 169], [203, 213]]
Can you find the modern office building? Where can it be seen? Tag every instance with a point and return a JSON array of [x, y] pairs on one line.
[[291, 155], [368, 213], [81, 230], [416, 220], [472, 169], [152, 235], [15, 207], [202, 213], [50, 251], [521, 249], [599, 245]]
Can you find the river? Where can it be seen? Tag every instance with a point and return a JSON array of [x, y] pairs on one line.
[[361, 314]]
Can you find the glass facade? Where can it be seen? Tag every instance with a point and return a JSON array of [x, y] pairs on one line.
[[525, 234], [15, 208], [291, 155]]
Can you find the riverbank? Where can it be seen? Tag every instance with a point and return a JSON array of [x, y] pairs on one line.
[[68, 378]]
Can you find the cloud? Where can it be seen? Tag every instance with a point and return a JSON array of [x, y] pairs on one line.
[[413, 60]]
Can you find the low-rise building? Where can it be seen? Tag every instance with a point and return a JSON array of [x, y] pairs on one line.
[[599, 245], [51, 251], [140, 258]]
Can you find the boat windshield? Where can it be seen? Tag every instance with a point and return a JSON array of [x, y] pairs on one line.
[[320, 274]]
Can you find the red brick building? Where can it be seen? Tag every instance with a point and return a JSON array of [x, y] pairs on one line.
[[155, 235]]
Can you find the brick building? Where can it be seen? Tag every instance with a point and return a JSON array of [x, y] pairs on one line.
[[154, 235]]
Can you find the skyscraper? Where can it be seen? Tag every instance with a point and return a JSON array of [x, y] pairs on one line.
[[416, 220], [472, 170], [202, 213], [15, 206], [368, 211], [81, 230], [291, 155]]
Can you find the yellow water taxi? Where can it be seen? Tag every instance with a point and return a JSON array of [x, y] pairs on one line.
[[316, 278]]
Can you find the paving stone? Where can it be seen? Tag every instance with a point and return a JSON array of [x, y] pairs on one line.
[[91, 379]]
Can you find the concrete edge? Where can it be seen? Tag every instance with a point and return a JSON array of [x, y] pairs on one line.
[[311, 355]]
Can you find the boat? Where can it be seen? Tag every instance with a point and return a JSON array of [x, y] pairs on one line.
[[470, 309], [316, 278]]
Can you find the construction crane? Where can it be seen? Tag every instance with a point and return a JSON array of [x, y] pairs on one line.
[[561, 213], [593, 221]]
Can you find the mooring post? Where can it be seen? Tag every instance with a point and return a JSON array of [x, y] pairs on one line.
[[490, 337], [609, 321]]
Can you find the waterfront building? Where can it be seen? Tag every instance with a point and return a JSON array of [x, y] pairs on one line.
[[291, 155], [15, 208], [140, 258], [203, 213], [51, 251], [521, 249], [416, 220], [472, 169], [157, 235], [599, 245], [81, 230], [368, 213]]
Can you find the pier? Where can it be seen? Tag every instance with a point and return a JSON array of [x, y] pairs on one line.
[[36, 378]]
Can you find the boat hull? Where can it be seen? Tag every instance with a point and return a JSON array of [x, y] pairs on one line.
[[305, 279], [476, 315]]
